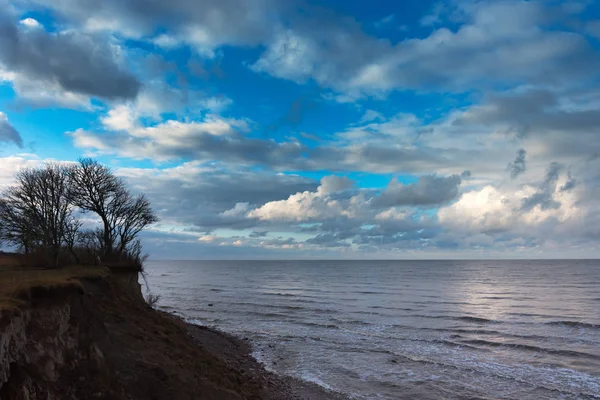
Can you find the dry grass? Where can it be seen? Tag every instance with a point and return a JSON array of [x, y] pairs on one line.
[[18, 283]]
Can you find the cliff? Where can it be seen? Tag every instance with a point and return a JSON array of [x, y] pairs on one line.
[[89, 334], [94, 337]]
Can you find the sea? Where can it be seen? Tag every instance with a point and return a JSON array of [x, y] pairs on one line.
[[404, 329]]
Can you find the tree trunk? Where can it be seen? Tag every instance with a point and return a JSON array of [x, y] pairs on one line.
[[108, 245]]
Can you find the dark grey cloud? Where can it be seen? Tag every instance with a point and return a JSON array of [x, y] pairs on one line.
[[328, 240], [8, 133], [535, 110], [258, 234], [544, 195], [77, 62], [517, 167], [429, 190]]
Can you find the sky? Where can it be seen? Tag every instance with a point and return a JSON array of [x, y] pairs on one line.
[[320, 129]]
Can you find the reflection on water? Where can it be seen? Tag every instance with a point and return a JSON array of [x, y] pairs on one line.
[[406, 329]]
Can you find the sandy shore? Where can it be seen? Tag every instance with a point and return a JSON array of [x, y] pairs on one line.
[[236, 353]]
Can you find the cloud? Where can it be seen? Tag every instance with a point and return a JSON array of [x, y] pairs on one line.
[[10, 165], [76, 63], [505, 42], [531, 212], [544, 196], [363, 147], [517, 167], [8, 133], [30, 23], [205, 26], [332, 184], [258, 234], [361, 217], [213, 138], [304, 206], [428, 191], [211, 196]]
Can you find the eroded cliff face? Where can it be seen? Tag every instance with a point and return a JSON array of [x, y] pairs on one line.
[[51, 341], [102, 341]]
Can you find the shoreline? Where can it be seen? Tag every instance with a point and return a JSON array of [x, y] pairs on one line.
[[237, 353]]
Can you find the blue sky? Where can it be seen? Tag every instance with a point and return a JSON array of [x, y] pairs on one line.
[[320, 129]]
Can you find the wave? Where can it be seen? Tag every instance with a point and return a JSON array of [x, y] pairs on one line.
[[392, 308], [318, 325], [476, 320], [527, 347], [574, 324], [350, 321]]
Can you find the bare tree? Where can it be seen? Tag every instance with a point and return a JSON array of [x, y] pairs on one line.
[[36, 210], [96, 189], [136, 216], [15, 227]]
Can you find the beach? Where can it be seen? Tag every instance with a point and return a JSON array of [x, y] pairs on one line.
[[237, 353]]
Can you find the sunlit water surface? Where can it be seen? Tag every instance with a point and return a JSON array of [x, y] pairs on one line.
[[405, 329]]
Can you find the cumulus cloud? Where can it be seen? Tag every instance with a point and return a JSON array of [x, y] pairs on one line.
[[304, 206], [358, 217], [533, 213], [8, 133], [74, 62]]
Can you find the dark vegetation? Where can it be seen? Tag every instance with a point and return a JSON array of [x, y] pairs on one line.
[[74, 214]]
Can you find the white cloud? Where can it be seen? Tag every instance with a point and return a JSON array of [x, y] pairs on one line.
[[119, 118], [166, 41], [10, 165], [492, 210], [30, 23]]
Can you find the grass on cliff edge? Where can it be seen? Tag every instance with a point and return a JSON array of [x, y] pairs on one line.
[[18, 282]]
